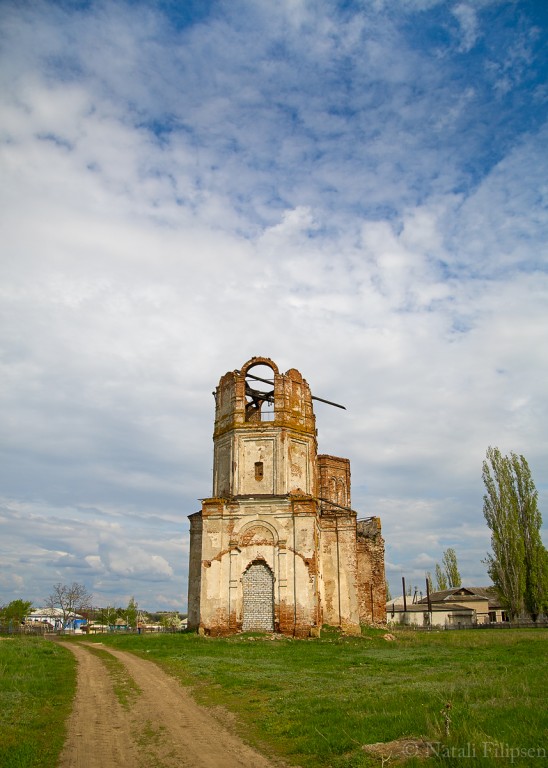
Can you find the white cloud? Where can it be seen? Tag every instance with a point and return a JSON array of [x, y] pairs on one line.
[[341, 191], [466, 16]]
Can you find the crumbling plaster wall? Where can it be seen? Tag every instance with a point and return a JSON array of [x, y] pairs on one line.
[[280, 535]]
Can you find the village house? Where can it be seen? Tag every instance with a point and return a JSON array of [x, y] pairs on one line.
[[277, 546], [457, 607], [53, 618]]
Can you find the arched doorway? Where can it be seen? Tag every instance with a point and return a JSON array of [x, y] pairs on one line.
[[258, 593]]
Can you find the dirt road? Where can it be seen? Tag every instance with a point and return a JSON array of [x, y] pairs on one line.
[[160, 726]]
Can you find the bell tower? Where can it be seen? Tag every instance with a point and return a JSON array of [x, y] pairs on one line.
[[265, 433]]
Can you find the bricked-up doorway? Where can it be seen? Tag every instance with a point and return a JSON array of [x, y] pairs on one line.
[[258, 589]]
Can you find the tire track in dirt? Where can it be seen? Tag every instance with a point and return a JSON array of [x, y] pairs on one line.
[[98, 731], [163, 726]]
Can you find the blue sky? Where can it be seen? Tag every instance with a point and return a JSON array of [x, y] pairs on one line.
[[354, 189]]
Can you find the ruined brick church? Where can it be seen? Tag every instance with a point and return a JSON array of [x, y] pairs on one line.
[[277, 547]]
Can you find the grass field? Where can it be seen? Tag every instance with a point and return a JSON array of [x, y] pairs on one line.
[[317, 702], [37, 684], [477, 695]]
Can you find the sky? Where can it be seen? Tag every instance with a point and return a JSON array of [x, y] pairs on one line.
[[356, 189]]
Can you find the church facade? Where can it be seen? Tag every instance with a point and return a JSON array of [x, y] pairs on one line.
[[277, 547]]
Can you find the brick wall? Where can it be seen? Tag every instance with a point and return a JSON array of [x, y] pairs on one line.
[[258, 593], [371, 576]]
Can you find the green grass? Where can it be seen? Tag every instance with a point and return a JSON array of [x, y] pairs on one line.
[[313, 702], [37, 685], [316, 702]]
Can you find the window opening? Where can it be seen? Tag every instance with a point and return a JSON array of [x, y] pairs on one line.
[[259, 470]]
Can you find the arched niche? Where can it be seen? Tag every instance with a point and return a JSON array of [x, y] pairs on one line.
[[258, 533]]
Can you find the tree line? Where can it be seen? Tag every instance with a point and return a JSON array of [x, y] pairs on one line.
[[71, 600]]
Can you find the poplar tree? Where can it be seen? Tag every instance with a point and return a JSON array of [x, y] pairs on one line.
[[451, 568], [518, 565], [441, 578], [448, 576], [132, 613]]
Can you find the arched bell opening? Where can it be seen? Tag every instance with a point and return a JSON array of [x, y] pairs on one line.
[[259, 390]]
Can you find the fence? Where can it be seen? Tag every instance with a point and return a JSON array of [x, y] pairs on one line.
[[519, 624], [522, 624], [25, 629]]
